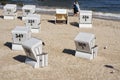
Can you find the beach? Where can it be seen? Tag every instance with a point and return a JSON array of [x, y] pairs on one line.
[[60, 46]]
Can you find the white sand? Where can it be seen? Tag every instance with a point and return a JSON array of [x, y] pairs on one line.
[[59, 40]]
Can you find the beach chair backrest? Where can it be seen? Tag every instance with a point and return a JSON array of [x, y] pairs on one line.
[[84, 42], [10, 9], [85, 17], [32, 20], [28, 9], [20, 34], [33, 48]]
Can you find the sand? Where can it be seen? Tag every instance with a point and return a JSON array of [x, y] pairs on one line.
[[59, 40]]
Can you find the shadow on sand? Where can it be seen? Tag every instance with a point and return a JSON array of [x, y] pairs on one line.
[[69, 51], [51, 21], [109, 66], [19, 17], [74, 24], [20, 58], [1, 16], [8, 44]]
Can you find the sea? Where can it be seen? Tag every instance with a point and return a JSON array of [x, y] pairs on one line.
[[109, 6], [101, 8]]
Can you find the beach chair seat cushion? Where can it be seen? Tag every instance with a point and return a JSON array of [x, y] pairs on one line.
[[61, 17]]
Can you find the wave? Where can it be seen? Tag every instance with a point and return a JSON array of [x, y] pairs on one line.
[[111, 16]]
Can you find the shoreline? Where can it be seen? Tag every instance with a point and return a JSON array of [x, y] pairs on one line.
[[51, 10]]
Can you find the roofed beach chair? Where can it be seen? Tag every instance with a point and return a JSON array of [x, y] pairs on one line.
[[35, 57], [28, 9], [85, 45], [61, 16], [33, 22], [10, 11], [19, 35], [85, 19]]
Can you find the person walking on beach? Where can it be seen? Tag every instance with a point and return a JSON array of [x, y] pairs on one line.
[[76, 8]]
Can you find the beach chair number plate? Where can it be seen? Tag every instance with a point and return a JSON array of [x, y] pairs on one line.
[[19, 36], [85, 17], [31, 22]]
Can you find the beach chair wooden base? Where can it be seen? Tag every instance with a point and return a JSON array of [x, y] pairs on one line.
[[85, 25], [85, 55], [42, 61], [9, 17], [17, 46], [31, 62], [35, 30]]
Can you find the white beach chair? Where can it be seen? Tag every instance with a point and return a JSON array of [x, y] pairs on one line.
[[61, 16], [35, 56], [85, 45], [28, 9], [19, 35], [10, 11], [33, 21], [85, 19]]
